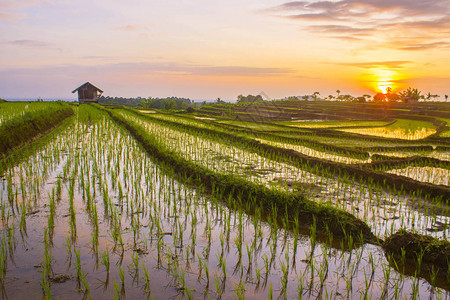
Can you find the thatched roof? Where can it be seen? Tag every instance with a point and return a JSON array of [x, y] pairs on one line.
[[87, 84]]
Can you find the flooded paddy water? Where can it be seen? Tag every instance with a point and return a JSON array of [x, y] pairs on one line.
[[90, 215]]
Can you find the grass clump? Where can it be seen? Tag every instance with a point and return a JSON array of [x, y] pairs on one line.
[[22, 129], [407, 245]]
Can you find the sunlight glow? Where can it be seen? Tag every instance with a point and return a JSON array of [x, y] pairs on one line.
[[385, 79]]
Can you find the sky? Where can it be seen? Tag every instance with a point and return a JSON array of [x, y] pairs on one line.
[[220, 49]]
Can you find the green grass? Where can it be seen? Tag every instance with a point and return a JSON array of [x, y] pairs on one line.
[[11, 110], [411, 125], [25, 126], [401, 129]]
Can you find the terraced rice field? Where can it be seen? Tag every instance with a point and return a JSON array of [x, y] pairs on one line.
[[116, 203]]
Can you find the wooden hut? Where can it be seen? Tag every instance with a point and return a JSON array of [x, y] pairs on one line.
[[88, 93]]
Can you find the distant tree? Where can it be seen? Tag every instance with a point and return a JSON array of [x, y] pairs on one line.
[[219, 100], [315, 94], [429, 96], [149, 103], [305, 98], [361, 99], [390, 96], [393, 97], [338, 93], [379, 97], [331, 97], [347, 97], [410, 94], [249, 99], [446, 98]]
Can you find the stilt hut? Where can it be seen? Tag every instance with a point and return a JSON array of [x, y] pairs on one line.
[[88, 93]]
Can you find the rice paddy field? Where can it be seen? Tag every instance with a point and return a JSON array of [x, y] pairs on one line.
[[285, 200]]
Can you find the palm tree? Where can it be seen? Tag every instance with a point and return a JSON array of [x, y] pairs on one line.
[[338, 93], [315, 95], [411, 93]]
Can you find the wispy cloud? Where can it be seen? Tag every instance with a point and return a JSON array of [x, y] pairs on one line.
[[380, 20], [199, 70], [14, 4], [398, 64], [28, 43], [170, 69], [424, 46], [11, 9], [8, 16], [342, 30]]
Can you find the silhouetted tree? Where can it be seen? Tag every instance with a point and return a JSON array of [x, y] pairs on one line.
[[249, 99], [379, 97], [410, 94], [315, 95]]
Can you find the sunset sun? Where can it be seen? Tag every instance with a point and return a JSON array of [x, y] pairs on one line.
[[384, 86]]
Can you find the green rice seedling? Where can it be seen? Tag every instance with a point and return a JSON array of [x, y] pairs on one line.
[[122, 276], [106, 261], [3, 259], [135, 266], [23, 216], [58, 189], [284, 278], [223, 265], [77, 263], [85, 284], [218, 285], [300, 285], [68, 248], [239, 289], [146, 278], [45, 284], [47, 262], [117, 291], [94, 242], [433, 275], [270, 295]]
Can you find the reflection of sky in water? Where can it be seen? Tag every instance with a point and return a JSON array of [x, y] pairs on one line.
[[425, 174]]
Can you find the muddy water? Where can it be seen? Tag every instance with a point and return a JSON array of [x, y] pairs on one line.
[[189, 243]]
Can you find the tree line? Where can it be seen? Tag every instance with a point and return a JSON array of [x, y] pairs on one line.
[[169, 103]]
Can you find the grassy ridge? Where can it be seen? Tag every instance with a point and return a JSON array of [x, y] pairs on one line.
[[22, 129], [250, 195], [407, 247]]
